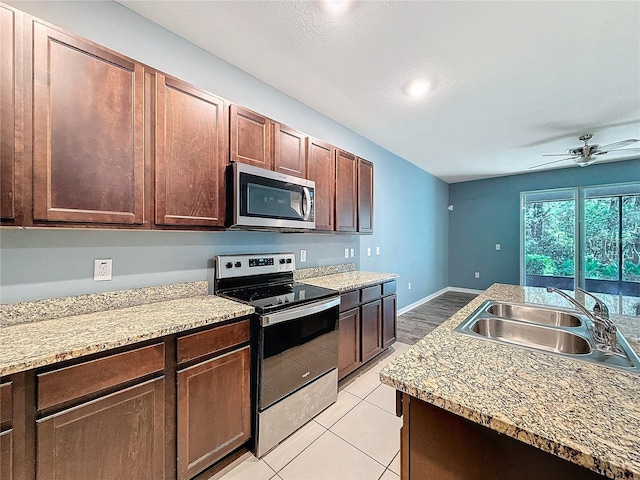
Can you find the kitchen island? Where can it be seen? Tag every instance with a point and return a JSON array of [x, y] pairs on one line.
[[567, 410]]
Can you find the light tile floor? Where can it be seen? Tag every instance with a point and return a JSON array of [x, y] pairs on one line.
[[358, 437]]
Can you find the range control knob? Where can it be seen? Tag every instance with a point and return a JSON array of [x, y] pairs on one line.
[[229, 265], [238, 264], [282, 260], [288, 260]]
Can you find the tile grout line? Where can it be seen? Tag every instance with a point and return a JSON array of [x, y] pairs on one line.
[[354, 446], [300, 452]]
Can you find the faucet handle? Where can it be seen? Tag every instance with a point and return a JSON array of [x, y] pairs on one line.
[[600, 308]]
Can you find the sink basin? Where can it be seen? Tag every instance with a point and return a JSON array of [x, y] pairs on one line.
[[554, 331], [533, 336], [528, 313]]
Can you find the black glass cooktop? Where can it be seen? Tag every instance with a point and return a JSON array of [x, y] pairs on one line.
[[266, 298]]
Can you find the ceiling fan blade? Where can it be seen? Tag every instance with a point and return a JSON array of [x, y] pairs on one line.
[[616, 145], [625, 150], [557, 155], [549, 163]]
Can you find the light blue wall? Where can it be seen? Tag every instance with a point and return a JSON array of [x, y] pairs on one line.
[[487, 212], [410, 205]]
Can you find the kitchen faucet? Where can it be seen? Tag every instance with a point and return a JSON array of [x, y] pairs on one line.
[[604, 330]]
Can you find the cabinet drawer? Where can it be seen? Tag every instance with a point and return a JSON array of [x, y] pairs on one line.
[[6, 403], [389, 288], [371, 293], [76, 381], [197, 345], [349, 300]]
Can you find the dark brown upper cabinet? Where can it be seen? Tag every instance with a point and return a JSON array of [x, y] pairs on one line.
[[289, 151], [190, 155], [365, 196], [250, 137], [11, 121], [88, 154], [321, 169], [346, 191]]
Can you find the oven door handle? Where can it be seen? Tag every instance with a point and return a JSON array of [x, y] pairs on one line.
[[298, 312]]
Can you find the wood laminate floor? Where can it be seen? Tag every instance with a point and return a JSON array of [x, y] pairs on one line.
[[415, 324]]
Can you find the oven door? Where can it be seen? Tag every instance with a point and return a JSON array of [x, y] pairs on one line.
[[297, 345], [270, 199]]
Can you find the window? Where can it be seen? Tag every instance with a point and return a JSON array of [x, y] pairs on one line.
[[589, 237]]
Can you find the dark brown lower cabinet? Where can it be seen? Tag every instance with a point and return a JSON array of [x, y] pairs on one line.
[[367, 325], [389, 314], [349, 342], [435, 443], [117, 436], [6, 455], [214, 415], [371, 334]]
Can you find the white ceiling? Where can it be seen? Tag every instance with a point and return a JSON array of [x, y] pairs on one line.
[[510, 80]]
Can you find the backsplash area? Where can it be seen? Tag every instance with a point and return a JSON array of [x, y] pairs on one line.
[[52, 308]]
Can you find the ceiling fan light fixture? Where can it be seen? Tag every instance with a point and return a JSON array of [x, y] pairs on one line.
[[416, 87]]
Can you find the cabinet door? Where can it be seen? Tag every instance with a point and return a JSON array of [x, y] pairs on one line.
[[365, 196], [11, 86], [346, 198], [250, 135], [88, 158], [371, 330], [213, 411], [321, 169], [349, 342], [114, 437], [6, 455], [389, 309], [190, 155], [6, 433], [289, 151]]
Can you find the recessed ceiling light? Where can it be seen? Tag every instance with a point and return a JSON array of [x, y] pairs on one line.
[[336, 6], [416, 87]]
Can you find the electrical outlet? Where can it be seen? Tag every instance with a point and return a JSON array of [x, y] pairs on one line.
[[377, 250], [303, 256], [102, 269], [497, 246], [477, 275], [368, 251], [353, 252], [409, 285], [346, 253]]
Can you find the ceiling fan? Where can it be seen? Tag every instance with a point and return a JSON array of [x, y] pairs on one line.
[[586, 154]]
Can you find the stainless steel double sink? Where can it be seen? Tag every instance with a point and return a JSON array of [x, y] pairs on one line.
[[552, 330]]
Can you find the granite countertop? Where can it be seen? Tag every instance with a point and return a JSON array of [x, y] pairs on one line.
[[38, 343], [582, 412], [350, 280], [42, 332]]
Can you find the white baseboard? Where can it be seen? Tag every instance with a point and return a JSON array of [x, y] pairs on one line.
[[464, 290], [422, 300], [437, 294]]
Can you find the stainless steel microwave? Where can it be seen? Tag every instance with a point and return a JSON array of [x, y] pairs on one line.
[[263, 199]]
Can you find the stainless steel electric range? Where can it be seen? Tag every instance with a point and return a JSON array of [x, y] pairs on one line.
[[294, 341]]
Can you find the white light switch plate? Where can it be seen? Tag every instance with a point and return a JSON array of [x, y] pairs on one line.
[[346, 253], [353, 252], [102, 269], [303, 256]]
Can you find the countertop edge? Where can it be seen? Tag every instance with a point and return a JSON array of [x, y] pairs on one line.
[[585, 457]]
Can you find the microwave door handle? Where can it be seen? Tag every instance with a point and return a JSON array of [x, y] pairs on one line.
[[306, 204]]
